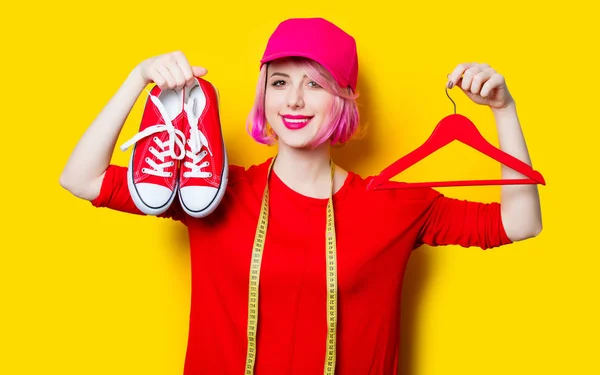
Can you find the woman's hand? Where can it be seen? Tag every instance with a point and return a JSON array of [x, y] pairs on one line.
[[482, 84], [169, 71]]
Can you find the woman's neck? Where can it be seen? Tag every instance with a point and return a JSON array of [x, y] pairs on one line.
[[307, 171]]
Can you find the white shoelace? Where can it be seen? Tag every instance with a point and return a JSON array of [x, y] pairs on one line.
[[196, 141], [167, 148]]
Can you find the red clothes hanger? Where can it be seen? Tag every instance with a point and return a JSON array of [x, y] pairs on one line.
[[450, 128]]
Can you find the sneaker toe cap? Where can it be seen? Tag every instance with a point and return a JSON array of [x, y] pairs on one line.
[[154, 195], [198, 198]]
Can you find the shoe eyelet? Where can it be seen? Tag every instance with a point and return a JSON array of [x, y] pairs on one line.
[[143, 170], [155, 138], [210, 175], [147, 159]]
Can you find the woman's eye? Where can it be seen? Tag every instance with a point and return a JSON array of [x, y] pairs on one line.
[[280, 83]]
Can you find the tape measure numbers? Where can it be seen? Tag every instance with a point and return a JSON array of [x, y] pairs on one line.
[[331, 269]]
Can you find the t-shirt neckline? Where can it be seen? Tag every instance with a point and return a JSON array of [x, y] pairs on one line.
[[279, 184]]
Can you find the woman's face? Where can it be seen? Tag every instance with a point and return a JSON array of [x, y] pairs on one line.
[[296, 107]]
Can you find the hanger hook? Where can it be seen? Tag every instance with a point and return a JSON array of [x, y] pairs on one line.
[[448, 95]]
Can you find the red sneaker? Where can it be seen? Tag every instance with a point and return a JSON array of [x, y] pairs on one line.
[[203, 172], [152, 174]]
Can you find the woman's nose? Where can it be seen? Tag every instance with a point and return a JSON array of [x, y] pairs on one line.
[[295, 97]]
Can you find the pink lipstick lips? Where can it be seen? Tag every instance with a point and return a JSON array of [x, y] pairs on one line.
[[295, 122]]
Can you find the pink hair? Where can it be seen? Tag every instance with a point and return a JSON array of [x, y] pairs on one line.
[[341, 123]]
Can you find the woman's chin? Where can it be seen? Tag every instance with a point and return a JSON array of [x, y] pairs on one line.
[[299, 144], [297, 139]]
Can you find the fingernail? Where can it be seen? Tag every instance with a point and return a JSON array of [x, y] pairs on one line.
[[450, 84]]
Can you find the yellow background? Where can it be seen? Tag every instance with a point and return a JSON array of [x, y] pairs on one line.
[[93, 291]]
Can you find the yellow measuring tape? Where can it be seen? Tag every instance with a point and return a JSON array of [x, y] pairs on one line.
[[257, 251]]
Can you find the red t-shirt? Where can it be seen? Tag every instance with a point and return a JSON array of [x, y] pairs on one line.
[[376, 233]]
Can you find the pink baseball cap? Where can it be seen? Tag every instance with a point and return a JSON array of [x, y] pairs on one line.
[[319, 40]]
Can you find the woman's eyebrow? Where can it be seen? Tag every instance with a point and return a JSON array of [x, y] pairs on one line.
[[283, 75]]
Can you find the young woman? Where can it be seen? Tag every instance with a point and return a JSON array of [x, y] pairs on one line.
[[299, 269]]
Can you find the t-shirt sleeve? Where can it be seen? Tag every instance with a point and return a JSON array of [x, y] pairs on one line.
[[114, 194], [452, 221]]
